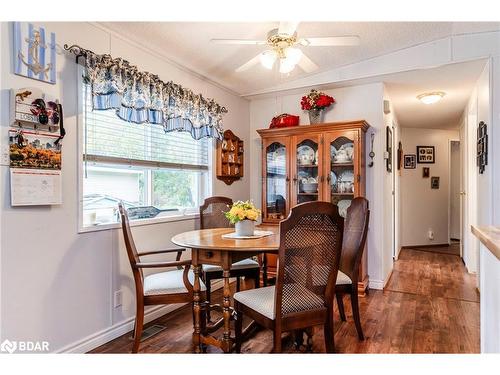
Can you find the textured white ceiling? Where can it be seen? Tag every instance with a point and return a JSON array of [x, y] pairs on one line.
[[188, 44], [456, 80]]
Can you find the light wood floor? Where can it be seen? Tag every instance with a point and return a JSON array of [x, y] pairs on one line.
[[430, 305]]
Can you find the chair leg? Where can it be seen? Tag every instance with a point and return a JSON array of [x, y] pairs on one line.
[[204, 321], [139, 321], [277, 341], [340, 304], [299, 338], [329, 333], [238, 283], [238, 328], [208, 285], [355, 313], [256, 279]]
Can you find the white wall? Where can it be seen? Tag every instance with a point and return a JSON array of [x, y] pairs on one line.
[[489, 304], [455, 190], [478, 200], [355, 102], [57, 285], [423, 208]]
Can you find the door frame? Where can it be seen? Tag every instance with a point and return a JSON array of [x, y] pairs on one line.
[[450, 141]]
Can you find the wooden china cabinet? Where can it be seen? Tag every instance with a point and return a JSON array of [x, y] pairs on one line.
[[324, 162]]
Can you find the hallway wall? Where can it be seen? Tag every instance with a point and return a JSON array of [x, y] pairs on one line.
[[423, 208]]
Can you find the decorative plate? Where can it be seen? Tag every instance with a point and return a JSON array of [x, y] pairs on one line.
[[256, 234], [305, 155], [343, 205], [333, 178], [333, 152]]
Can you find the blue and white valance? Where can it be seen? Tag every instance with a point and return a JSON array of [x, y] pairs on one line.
[[142, 97]]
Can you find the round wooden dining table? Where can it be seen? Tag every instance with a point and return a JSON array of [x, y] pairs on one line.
[[209, 247]]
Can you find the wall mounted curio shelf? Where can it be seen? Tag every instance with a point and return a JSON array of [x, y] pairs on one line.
[[229, 158]]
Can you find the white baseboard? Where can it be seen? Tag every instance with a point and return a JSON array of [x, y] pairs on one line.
[[376, 284], [106, 335]]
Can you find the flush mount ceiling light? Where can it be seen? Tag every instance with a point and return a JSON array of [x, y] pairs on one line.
[[431, 97]]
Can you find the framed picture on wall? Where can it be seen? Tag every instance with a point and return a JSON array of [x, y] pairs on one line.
[[410, 161], [425, 154], [434, 182], [426, 172], [388, 147]]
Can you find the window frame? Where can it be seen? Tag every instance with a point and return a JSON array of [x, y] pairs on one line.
[[80, 125]]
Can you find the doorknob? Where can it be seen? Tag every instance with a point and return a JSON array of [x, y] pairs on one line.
[[462, 193]]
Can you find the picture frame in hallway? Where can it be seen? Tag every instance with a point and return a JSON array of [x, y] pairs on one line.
[[425, 154], [434, 182], [410, 161], [426, 172], [482, 147], [388, 146]]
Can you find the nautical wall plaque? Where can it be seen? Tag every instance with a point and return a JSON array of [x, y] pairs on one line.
[[34, 52]]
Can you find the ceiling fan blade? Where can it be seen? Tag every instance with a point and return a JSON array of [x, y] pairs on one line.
[[249, 64], [287, 28], [238, 41], [330, 41], [306, 64]]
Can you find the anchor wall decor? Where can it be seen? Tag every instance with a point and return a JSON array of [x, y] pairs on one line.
[[34, 52]]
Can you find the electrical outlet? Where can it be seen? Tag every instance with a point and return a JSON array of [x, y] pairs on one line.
[[118, 297]]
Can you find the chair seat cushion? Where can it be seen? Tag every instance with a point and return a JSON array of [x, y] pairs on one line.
[[242, 264], [262, 300], [169, 282], [320, 278], [343, 279]]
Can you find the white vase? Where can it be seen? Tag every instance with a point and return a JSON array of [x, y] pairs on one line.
[[245, 228]]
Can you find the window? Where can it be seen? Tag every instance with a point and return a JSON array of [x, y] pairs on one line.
[[140, 165]]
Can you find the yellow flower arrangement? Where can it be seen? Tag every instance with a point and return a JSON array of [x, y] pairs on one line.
[[242, 210]]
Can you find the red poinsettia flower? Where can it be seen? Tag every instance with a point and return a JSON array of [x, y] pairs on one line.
[[316, 100]]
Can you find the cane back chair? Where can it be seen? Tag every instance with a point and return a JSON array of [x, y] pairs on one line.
[[310, 246], [162, 288], [355, 232], [212, 216]]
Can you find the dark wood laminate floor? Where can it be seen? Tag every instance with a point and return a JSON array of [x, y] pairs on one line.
[[430, 305]]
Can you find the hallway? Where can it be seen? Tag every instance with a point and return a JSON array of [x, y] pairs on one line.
[[430, 305]]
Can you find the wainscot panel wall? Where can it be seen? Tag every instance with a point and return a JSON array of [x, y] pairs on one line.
[[58, 285]]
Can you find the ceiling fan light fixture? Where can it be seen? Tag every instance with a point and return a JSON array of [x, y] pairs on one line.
[[431, 97], [267, 59], [286, 66], [293, 55]]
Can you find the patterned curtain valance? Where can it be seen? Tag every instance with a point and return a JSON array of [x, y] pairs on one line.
[[142, 97]]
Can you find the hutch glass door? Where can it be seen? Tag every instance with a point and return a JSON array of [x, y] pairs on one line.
[[342, 178], [276, 180], [307, 170]]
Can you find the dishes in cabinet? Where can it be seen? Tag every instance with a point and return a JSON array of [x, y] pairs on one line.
[[333, 181], [305, 155], [345, 182], [343, 205], [344, 154], [333, 152], [309, 185]]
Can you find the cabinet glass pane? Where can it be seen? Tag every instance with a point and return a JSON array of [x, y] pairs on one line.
[[342, 178], [306, 186], [276, 181]]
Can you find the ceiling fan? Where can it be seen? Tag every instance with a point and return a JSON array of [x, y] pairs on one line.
[[283, 43]]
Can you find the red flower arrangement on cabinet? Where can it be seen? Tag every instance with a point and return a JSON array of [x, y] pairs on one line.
[[316, 100]]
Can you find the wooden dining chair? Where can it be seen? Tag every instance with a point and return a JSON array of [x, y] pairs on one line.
[[174, 286], [310, 246], [212, 216], [355, 232]]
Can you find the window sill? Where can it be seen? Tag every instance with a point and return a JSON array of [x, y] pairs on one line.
[[139, 223]]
